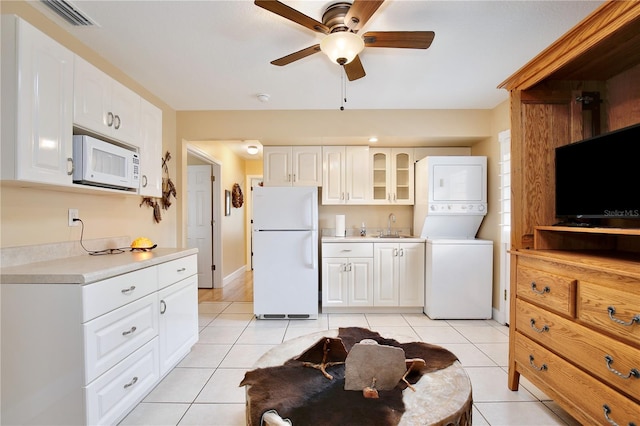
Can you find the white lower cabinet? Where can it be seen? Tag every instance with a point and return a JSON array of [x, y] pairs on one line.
[[178, 321], [398, 274], [372, 275], [75, 354]]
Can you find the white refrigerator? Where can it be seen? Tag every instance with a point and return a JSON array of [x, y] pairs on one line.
[[285, 252]]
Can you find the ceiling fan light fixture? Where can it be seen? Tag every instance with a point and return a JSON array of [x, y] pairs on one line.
[[342, 46]]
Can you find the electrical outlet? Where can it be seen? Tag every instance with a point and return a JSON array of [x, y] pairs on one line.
[[74, 214]]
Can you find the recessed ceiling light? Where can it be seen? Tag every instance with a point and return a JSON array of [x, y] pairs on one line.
[[373, 139]]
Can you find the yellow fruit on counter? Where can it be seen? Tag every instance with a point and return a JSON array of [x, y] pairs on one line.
[[142, 242]]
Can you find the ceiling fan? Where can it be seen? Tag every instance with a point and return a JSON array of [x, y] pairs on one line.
[[341, 22]]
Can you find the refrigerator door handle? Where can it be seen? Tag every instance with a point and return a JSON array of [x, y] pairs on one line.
[[314, 254]]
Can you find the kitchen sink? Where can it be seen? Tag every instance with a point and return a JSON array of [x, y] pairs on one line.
[[392, 236]]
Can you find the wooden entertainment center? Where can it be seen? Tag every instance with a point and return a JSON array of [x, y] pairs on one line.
[[575, 292]]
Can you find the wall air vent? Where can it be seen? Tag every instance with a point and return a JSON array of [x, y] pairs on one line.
[[69, 12]]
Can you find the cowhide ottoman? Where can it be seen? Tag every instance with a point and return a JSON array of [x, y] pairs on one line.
[[281, 391]]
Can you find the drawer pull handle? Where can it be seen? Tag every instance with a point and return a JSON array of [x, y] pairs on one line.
[[632, 373], [131, 383], [536, 329], [128, 290], [612, 312], [607, 411], [546, 289], [163, 307], [125, 333], [181, 270], [543, 367]]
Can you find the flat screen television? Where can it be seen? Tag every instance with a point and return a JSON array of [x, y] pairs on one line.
[[599, 178]]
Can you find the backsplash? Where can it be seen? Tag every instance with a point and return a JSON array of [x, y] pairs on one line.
[[14, 256]]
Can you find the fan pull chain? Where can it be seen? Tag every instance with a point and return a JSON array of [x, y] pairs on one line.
[[343, 95]]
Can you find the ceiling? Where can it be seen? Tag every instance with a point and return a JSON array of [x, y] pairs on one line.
[[215, 55]]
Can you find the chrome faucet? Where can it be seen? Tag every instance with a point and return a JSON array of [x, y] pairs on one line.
[[392, 218]]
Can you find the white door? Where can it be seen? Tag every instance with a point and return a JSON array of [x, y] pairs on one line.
[[360, 282], [277, 165], [411, 274], [285, 207], [385, 276], [306, 165], [334, 282], [199, 221]]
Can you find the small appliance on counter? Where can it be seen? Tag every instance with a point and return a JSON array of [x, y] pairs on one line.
[[285, 252]]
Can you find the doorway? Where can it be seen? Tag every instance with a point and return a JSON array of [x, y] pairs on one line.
[[203, 216]]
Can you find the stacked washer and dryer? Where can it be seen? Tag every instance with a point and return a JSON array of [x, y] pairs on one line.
[[450, 204]]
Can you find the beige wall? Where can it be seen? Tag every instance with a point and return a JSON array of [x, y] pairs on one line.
[[36, 216], [490, 229]]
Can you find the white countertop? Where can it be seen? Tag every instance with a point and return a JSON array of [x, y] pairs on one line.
[[371, 239], [86, 269]]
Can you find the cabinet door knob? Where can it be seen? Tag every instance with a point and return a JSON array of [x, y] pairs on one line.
[[163, 307], [109, 119], [117, 122]]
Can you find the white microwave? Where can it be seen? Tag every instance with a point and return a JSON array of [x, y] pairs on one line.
[[100, 163]]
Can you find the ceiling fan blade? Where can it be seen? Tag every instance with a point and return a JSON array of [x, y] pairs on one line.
[[297, 55], [360, 12], [354, 69], [402, 39], [292, 14]]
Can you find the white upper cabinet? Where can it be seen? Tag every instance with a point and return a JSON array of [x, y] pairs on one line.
[[103, 105], [345, 175], [37, 102], [292, 165], [392, 175], [150, 150]]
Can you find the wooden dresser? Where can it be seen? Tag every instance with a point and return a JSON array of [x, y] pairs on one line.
[[575, 292]]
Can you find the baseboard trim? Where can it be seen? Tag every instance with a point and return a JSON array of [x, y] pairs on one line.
[[234, 275]]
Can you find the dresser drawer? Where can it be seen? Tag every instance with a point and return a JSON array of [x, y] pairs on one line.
[[539, 364], [555, 292], [176, 270], [613, 310], [110, 338], [610, 360], [117, 391], [347, 250], [103, 296]]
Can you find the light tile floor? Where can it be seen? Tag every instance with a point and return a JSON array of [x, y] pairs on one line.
[[203, 389]]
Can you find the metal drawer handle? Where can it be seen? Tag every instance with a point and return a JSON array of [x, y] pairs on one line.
[[163, 307], [128, 290], [543, 367], [131, 383], [546, 289], [536, 329], [607, 411], [109, 119], [125, 333], [612, 312], [116, 122], [632, 373], [181, 270]]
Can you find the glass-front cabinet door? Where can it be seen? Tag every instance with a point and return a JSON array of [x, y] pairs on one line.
[[402, 167], [392, 175], [380, 164]]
